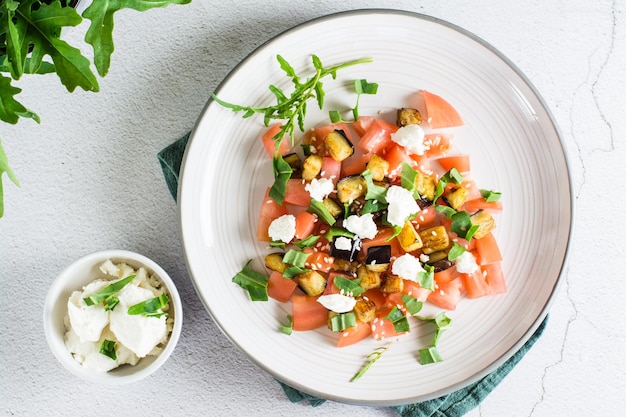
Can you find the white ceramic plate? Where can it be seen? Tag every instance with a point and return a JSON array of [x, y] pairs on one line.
[[515, 148]]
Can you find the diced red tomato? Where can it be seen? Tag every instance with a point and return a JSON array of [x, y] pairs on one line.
[[331, 169], [280, 288], [472, 206], [437, 144], [305, 224], [296, 194], [357, 165], [494, 277], [270, 211], [426, 217], [447, 275], [318, 261], [413, 289], [487, 250], [460, 162], [376, 138], [395, 156], [354, 334], [307, 313], [376, 296], [361, 124], [440, 113], [381, 328], [331, 288], [446, 295], [473, 192], [475, 284], [270, 144]]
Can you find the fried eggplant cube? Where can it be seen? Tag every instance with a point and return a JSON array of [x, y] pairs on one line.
[[338, 145], [311, 282], [408, 116], [485, 223], [379, 167], [434, 239], [274, 261], [351, 188], [391, 284], [408, 238], [369, 279], [456, 197], [294, 161], [425, 185], [311, 167], [365, 310]]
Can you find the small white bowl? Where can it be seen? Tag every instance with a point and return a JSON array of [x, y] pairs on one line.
[[81, 273]]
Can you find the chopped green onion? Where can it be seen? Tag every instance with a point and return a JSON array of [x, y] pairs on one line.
[[253, 282], [307, 242], [152, 307], [110, 302], [442, 321], [107, 348], [374, 192], [292, 271], [426, 278], [335, 116], [317, 207], [343, 321], [348, 286], [490, 196], [337, 231], [288, 328], [413, 305], [108, 291], [295, 258], [277, 244], [399, 320], [372, 358], [429, 355], [455, 251], [407, 178], [447, 211], [282, 173]]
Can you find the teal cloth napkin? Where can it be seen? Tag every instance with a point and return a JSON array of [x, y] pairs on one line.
[[455, 404]]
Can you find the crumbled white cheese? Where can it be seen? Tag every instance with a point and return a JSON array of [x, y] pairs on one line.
[[283, 228], [407, 266], [411, 137], [362, 226], [319, 188], [424, 258], [401, 205], [135, 336], [466, 263], [343, 243], [338, 303]]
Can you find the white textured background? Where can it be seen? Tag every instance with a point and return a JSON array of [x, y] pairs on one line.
[[91, 181]]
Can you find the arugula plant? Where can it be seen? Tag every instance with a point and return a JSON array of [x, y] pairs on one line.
[[30, 43]]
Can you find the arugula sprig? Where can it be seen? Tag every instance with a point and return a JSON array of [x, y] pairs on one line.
[[372, 358], [291, 110]]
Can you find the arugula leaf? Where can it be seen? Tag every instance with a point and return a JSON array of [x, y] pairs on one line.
[[307, 242], [426, 278], [429, 355], [455, 251], [490, 196], [348, 286], [282, 173], [253, 282], [407, 179], [374, 192], [11, 109], [318, 207], [4, 167], [362, 87], [462, 225], [399, 320], [447, 211], [100, 32], [413, 305], [295, 258]]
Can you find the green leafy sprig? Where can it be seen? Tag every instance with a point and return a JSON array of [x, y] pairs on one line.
[[30, 43], [291, 110]]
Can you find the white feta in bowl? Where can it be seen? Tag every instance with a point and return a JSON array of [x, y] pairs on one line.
[[113, 317]]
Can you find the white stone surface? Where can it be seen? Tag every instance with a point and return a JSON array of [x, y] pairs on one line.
[[90, 180]]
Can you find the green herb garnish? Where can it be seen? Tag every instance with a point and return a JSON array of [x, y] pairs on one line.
[[446, 210], [362, 87], [152, 307], [307, 242], [372, 358], [413, 305], [374, 192], [407, 180], [490, 196], [282, 173], [253, 282], [287, 328], [337, 231], [108, 291], [295, 258], [292, 271], [455, 251], [343, 321], [462, 225], [107, 348], [317, 207], [291, 108], [399, 320], [426, 278], [453, 176], [429, 355], [348, 286]]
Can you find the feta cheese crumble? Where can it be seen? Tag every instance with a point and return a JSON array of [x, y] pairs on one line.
[[401, 205], [339, 303], [411, 137], [466, 263], [319, 188], [135, 336], [343, 243], [283, 228], [362, 226], [408, 267]]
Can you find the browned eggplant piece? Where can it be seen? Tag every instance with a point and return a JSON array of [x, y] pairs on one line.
[[378, 258], [294, 161], [408, 116], [311, 282], [434, 239], [365, 310], [379, 167], [369, 279], [350, 188], [338, 145], [274, 261], [485, 222], [391, 284], [311, 166]]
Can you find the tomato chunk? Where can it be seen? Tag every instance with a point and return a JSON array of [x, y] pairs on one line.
[[307, 313], [377, 137], [270, 144], [280, 288], [296, 194], [354, 334], [460, 162], [487, 250], [494, 277], [475, 284], [447, 295], [305, 224], [440, 113], [270, 211]]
